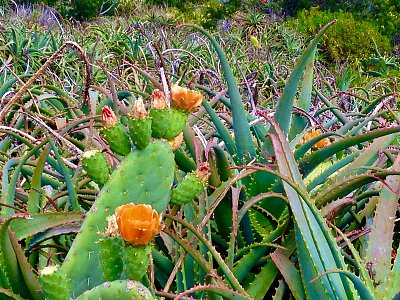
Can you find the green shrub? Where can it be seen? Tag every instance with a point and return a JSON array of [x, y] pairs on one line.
[[349, 39], [202, 12]]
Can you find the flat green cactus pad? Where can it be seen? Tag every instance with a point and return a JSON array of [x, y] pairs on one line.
[[145, 176]]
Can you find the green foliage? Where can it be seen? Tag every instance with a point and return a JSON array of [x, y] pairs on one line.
[[350, 39], [204, 13], [280, 209]]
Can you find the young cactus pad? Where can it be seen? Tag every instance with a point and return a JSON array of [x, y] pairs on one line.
[[145, 176], [119, 289], [167, 123], [192, 185], [96, 166]]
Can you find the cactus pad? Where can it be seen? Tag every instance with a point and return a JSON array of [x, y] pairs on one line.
[[54, 283], [186, 191], [167, 123], [120, 289], [96, 166], [117, 138], [110, 257], [134, 181], [140, 131], [136, 261]]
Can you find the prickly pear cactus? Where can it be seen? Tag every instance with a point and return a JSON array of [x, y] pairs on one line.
[[192, 185], [134, 181], [136, 261], [120, 289], [167, 123], [96, 166], [114, 132], [110, 249], [140, 131], [117, 139], [55, 284]]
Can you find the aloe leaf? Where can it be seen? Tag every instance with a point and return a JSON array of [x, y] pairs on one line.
[[213, 289], [68, 181], [243, 138], [368, 157], [27, 272], [359, 262], [10, 273], [290, 273], [313, 180], [309, 162], [379, 251], [263, 281], [36, 223], [363, 291], [223, 132], [304, 102], [345, 186], [336, 111], [225, 269], [33, 204], [10, 294], [285, 104], [318, 247], [393, 282]]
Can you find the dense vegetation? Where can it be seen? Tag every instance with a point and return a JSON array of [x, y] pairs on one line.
[[267, 147]]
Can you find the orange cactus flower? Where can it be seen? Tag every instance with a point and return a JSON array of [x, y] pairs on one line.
[[320, 144], [138, 223], [184, 98], [108, 117]]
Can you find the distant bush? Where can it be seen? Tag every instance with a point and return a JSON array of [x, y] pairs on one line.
[[202, 12], [78, 9], [349, 38]]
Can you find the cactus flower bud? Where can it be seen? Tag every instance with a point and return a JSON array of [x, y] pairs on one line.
[[138, 109], [185, 99], [108, 117], [138, 223], [114, 132], [158, 99]]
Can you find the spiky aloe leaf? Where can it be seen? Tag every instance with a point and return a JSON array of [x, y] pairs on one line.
[[11, 277], [285, 104], [379, 251], [243, 138], [290, 273], [317, 249], [304, 102], [309, 162], [36, 223]]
